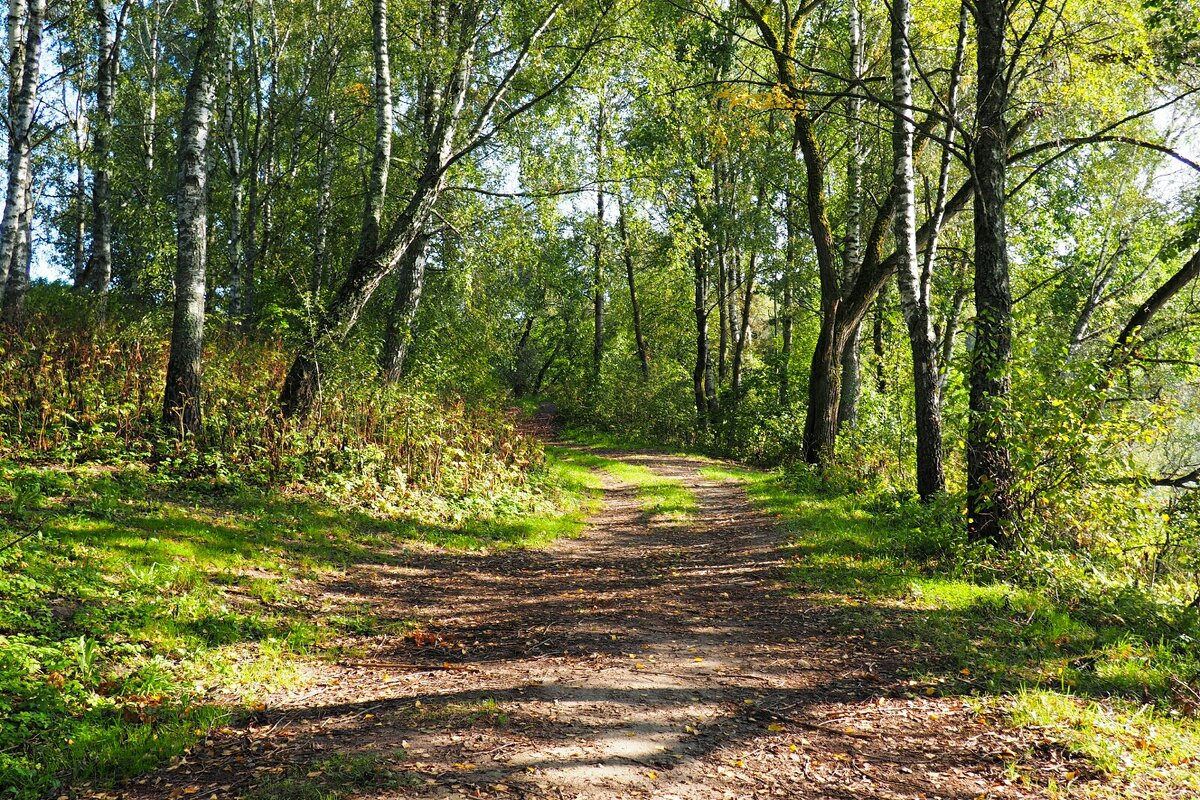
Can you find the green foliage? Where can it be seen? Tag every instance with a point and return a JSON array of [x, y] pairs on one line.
[[138, 573], [75, 393]]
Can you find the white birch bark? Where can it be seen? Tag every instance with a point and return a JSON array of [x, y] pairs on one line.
[[24, 51], [181, 400]]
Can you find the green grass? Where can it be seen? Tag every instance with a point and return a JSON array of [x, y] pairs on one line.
[[132, 600], [662, 498], [1098, 674], [334, 777]]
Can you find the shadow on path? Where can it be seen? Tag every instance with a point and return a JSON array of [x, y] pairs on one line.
[[639, 660]]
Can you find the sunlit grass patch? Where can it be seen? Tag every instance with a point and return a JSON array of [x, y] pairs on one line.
[[663, 499], [139, 612], [1156, 753]]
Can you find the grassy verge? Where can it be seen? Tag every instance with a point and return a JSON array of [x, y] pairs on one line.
[[137, 612], [663, 499], [1104, 678]]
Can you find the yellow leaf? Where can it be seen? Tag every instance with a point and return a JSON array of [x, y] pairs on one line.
[[775, 726]]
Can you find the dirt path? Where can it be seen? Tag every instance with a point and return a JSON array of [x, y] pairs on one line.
[[639, 660]]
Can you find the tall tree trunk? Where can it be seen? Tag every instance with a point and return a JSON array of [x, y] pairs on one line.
[[914, 291], [98, 273], [729, 297], [79, 201], [181, 400], [237, 189], [154, 48], [701, 375], [598, 256], [377, 186], [851, 362], [25, 19], [948, 337], [402, 322], [851, 388], [257, 151], [785, 335], [17, 288], [787, 310], [959, 298], [634, 304], [990, 474], [878, 337], [326, 159], [740, 342], [824, 387]]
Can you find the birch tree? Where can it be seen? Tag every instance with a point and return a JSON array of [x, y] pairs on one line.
[[914, 282], [475, 69], [25, 20], [182, 398]]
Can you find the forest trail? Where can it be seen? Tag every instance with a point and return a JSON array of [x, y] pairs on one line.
[[642, 659]]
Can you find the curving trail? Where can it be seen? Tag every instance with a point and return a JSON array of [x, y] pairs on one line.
[[639, 660]]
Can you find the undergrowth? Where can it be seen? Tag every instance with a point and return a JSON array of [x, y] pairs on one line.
[[1047, 637], [150, 587]]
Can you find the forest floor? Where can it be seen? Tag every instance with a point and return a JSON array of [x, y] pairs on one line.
[[665, 652]]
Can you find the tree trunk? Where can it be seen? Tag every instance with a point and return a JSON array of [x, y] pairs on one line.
[[851, 388], [401, 327], [80, 223], [598, 257], [791, 225], [324, 201], [914, 292], [181, 401], [990, 475], [635, 306], [851, 364], [948, 337], [237, 190], [521, 359], [154, 47], [17, 288], [785, 347], [377, 186], [824, 388], [878, 336], [98, 273], [701, 376], [24, 50], [739, 344]]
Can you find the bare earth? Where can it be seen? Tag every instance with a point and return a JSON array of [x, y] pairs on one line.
[[638, 660]]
